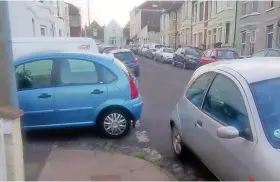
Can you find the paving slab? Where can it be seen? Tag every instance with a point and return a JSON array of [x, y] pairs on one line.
[[85, 165]]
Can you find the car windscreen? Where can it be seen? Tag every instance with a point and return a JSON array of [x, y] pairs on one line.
[[168, 50], [192, 52], [159, 46], [125, 56], [108, 49], [227, 54], [266, 96]]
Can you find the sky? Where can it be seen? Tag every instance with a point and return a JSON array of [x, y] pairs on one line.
[[103, 11]]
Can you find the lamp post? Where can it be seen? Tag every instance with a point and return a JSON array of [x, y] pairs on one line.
[[8, 94]]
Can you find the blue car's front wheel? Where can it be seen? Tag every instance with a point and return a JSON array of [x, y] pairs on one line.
[[115, 123]]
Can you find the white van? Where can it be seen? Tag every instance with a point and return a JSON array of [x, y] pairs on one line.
[[27, 45]]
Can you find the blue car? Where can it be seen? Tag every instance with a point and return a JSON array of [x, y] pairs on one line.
[[61, 90]]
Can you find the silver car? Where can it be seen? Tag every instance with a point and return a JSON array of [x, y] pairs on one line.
[[229, 116]]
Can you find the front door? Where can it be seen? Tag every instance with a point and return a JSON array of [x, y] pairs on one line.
[[80, 91], [36, 92], [225, 104]]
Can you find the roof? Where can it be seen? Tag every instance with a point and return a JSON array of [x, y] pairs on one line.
[[156, 5], [75, 54], [266, 68], [120, 50], [174, 7]]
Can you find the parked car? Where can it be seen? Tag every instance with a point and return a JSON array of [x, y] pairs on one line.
[[144, 49], [164, 55], [134, 48], [188, 57], [156, 46], [128, 58], [218, 54], [267, 53], [108, 49], [62, 90], [150, 53], [229, 117]]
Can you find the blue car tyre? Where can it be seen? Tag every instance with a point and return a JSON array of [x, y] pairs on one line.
[[114, 123]]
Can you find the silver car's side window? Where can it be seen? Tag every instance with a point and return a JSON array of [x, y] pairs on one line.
[[196, 91], [225, 103]]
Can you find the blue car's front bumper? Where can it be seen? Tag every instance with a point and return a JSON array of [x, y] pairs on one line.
[[135, 107]]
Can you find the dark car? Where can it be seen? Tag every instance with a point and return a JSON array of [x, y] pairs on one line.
[[150, 53], [128, 58], [217, 54], [267, 53], [107, 49], [188, 57], [134, 48]]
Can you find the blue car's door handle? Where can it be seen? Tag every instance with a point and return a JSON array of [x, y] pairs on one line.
[[44, 96], [97, 91]]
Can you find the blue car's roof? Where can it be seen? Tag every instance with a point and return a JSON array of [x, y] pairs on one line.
[[74, 54]]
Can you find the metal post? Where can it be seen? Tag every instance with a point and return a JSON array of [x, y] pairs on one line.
[[88, 13], [8, 93]]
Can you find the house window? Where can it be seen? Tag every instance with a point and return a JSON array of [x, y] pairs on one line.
[[52, 30], [252, 41], [194, 39], [227, 33], [43, 30], [195, 12], [220, 34], [244, 7], [33, 28], [199, 39], [112, 40], [243, 43], [201, 11], [269, 36], [271, 4], [255, 6], [209, 39], [94, 32], [187, 34], [174, 15], [214, 35], [210, 9], [60, 33], [216, 6]]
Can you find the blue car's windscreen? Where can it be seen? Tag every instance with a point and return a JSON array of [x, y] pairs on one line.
[[125, 57], [267, 99]]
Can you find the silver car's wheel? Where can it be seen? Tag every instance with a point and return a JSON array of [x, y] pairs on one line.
[[177, 143], [115, 123]]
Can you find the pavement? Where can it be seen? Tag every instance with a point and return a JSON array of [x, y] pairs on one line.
[[160, 85], [82, 165]]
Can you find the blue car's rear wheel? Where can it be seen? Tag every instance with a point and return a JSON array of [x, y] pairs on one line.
[[115, 123]]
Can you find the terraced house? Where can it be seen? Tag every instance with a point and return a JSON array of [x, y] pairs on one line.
[[257, 26]]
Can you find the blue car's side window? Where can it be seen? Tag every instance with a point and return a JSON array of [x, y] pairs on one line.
[[79, 72], [225, 103], [196, 90], [37, 74]]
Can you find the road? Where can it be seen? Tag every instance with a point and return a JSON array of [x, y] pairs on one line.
[[160, 85]]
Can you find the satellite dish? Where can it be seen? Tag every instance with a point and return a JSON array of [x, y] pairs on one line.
[[278, 23]]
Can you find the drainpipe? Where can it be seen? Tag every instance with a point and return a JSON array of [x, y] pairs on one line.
[[235, 20]]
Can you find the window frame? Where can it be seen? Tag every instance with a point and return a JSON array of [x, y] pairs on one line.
[[237, 83], [97, 67], [204, 92], [54, 75]]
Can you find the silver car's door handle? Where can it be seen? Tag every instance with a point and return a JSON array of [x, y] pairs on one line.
[[198, 123]]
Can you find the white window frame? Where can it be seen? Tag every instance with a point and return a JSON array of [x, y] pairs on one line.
[[43, 27], [252, 40], [243, 43]]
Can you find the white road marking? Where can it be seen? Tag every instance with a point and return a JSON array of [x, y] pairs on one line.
[[142, 136]]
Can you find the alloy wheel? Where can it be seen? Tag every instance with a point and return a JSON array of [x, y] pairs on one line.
[[176, 141], [115, 124]]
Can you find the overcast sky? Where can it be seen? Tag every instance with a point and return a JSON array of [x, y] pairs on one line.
[[105, 10]]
